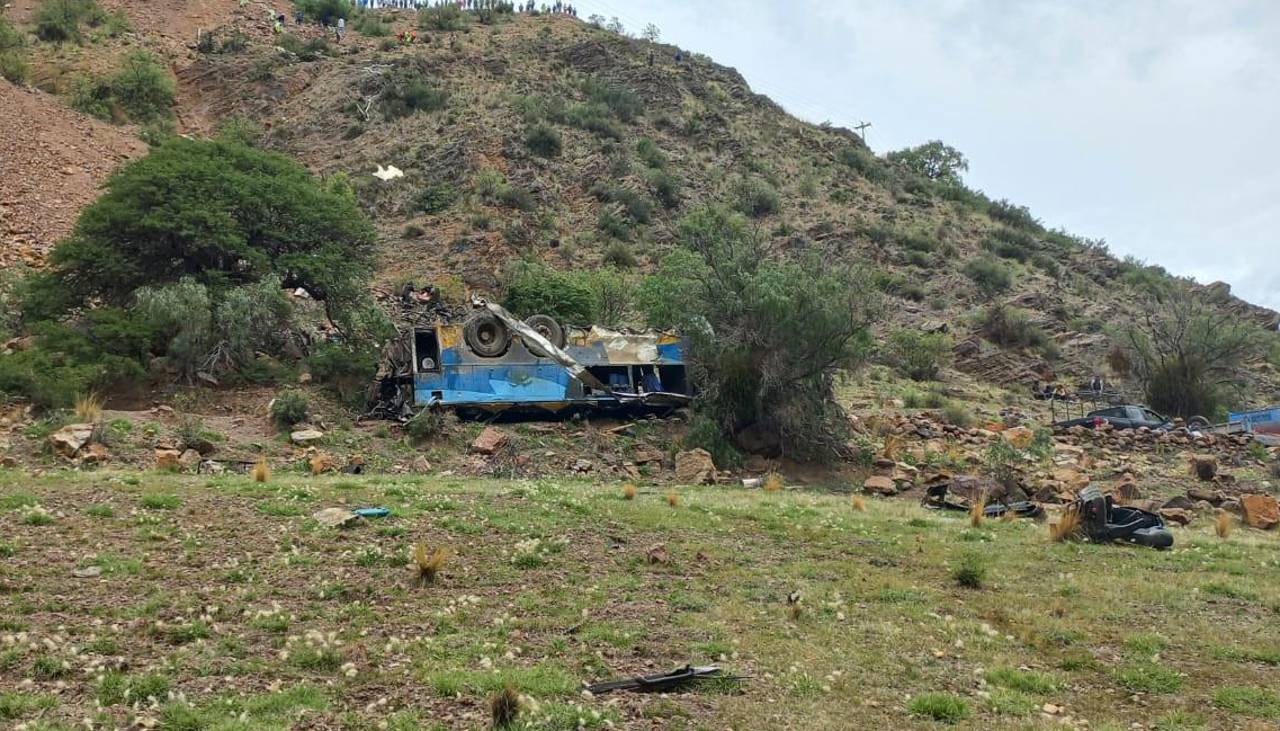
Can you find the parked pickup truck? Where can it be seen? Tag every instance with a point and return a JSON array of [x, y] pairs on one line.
[[1121, 417]]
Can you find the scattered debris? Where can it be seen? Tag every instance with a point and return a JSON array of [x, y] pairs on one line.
[[695, 467], [1105, 522], [658, 554], [389, 173], [940, 497], [87, 572], [658, 683], [335, 517], [378, 512]]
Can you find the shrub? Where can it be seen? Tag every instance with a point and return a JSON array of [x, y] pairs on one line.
[[650, 155], [141, 91], [637, 205], [939, 706], [611, 222], [275, 219], [864, 163], [918, 354], [347, 370], [591, 117], [705, 433], [369, 24], [542, 140], [427, 425], [519, 198], [410, 96], [327, 12], [13, 67], [62, 363], [756, 197], [289, 407], [933, 160], [533, 288], [619, 254], [445, 18], [1047, 264], [60, 20], [665, 187], [747, 316], [1011, 327], [489, 183], [970, 571], [1010, 244], [309, 50], [1013, 215], [435, 198], [990, 276], [1247, 701], [622, 103]]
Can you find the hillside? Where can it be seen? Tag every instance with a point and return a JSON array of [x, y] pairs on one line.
[[645, 133]]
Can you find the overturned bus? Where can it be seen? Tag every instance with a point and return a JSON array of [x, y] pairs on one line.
[[493, 362]]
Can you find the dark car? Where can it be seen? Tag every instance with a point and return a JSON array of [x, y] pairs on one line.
[[1121, 417]]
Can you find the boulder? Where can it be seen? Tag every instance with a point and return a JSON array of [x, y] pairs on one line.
[[1019, 436], [1176, 516], [421, 464], [69, 439], [695, 467], [1260, 511], [1073, 480], [1126, 490], [1179, 502], [303, 437], [167, 459], [489, 441], [94, 454], [880, 485], [1210, 496], [189, 460], [1204, 467], [335, 517]]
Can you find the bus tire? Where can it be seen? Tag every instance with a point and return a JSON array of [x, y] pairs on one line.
[[548, 328], [486, 335], [1197, 423]]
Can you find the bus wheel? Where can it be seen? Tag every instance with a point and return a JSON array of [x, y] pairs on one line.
[[548, 328], [486, 335]]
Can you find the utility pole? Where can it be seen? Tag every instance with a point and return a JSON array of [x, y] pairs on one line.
[[861, 127]]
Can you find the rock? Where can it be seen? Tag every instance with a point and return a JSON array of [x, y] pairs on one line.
[[658, 554], [1179, 502], [167, 459], [87, 572], [1019, 436], [880, 485], [189, 460], [1126, 490], [645, 454], [335, 517], [94, 454], [69, 439], [1210, 496], [1073, 480], [8, 461], [1204, 467], [583, 465], [1260, 511], [489, 441], [695, 467], [1177, 516], [303, 437], [421, 464]]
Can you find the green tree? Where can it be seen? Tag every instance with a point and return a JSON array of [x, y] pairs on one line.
[[767, 337], [223, 214], [919, 355], [933, 160]]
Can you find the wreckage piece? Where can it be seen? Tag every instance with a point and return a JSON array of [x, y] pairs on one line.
[[659, 683], [939, 497], [1105, 522], [496, 363]]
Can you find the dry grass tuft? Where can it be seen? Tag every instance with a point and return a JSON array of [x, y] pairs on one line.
[[1067, 524], [672, 498], [429, 562], [628, 491], [505, 707], [1222, 524], [858, 502], [977, 511], [261, 470], [892, 445], [794, 609], [772, 482], [88, 408]]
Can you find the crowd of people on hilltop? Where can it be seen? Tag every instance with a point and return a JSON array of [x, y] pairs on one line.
[[502, 6]]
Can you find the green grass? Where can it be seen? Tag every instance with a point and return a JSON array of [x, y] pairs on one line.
[[15, 705], [235, 592], [160, 501], [100, 511], [943, 707]]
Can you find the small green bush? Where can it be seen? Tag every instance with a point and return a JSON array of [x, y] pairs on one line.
[[543, 140], [426, 425], [141, 90], [593, 118], [755, 197], [13, 67], [622, 103], [532, 289], [444, 18], [1026, 681], [620, 255], [289, 407], [612, 223], [990, 275], [649, 154], [1012, 328], [864, 163], [638, 206], [327, 12], [1246, 701], [411, 96], [970, 571], [705, 434], [347, 370], [1149, 677], [435, 198], [369, 24], [665, 187], [919, 355], [1013, 215], [938, 706], [60, 20]]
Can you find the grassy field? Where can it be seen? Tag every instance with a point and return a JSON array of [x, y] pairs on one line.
[[222, 605]]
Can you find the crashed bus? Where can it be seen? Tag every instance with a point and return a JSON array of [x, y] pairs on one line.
[[492, 362]]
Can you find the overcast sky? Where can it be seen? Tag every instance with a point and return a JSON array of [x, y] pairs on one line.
[[1151, 124]]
